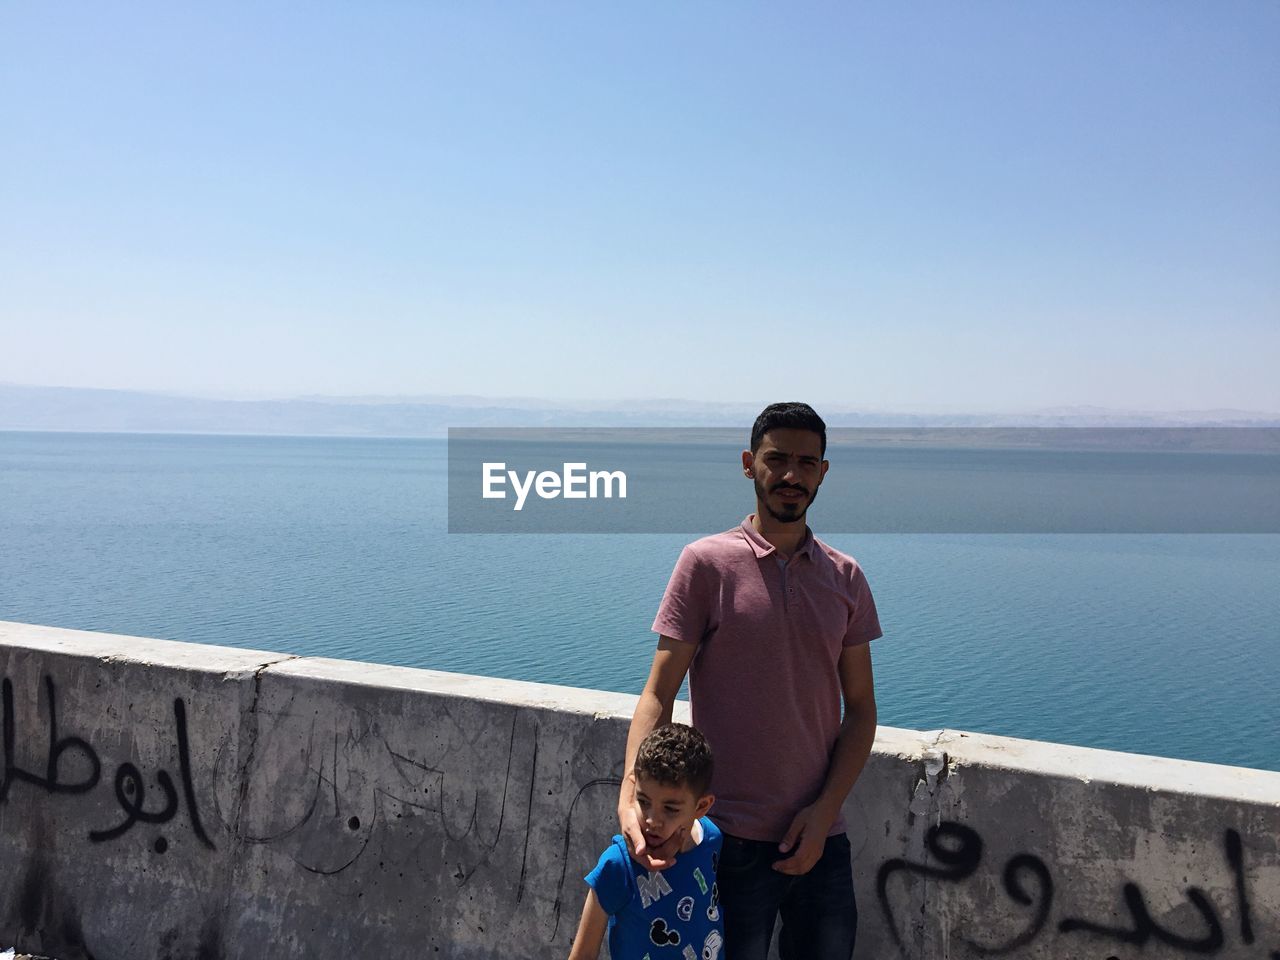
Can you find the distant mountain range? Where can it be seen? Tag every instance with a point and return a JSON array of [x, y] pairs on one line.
[[107, 411]]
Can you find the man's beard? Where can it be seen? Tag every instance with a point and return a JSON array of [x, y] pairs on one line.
[[792, 512]]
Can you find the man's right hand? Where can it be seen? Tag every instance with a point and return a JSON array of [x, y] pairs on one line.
[[656, 858]]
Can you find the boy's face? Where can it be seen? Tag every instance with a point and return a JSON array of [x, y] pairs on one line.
[[666, 809]]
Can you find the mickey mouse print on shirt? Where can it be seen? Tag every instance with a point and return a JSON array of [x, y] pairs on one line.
[[670, 913]]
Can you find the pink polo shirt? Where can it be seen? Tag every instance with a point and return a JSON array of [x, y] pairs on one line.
[[764, 686]]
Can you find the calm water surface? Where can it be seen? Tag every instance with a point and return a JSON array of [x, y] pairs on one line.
[[1161, 644]]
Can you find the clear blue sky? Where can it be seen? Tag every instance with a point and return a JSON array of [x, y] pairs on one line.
[[985, 206]]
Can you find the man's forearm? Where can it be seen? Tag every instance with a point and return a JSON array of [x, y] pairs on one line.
[[651, 713], [670, 665], [853, 746], [807, 835]]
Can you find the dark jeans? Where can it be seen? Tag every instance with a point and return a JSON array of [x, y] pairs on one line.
[[819, 916]]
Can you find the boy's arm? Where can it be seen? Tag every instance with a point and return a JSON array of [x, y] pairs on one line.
[[653, 709], [857, 733], [591, 928]]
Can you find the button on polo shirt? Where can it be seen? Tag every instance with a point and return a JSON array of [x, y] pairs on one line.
[[764, 685]]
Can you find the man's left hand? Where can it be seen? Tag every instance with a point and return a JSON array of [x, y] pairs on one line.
[[808, 836]]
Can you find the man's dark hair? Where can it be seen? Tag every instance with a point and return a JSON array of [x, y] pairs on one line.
[[788, 416], [677, 755]]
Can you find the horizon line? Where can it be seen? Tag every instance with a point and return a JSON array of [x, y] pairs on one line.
[[374, 399]]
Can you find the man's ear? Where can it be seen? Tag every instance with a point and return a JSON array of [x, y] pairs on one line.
[[748, 463], [704, 804]]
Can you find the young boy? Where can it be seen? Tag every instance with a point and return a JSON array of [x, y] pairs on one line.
[[673, 912]]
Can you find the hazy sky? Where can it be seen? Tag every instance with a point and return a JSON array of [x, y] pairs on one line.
[[995, 206]]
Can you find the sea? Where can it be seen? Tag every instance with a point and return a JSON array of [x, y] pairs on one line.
[[1164, 644]]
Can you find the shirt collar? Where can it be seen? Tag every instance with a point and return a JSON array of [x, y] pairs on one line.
[[762, 547]]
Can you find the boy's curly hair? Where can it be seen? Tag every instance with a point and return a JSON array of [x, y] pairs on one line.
[[676, 754]]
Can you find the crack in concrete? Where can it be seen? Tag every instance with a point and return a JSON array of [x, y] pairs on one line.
[[245, 767], [211, 934]]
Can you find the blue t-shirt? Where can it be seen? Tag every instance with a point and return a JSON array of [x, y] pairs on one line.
[[668, 913]]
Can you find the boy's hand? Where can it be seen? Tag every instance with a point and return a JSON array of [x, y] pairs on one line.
[[657, 858], [809, 827]]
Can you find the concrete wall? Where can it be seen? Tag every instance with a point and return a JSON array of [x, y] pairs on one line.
[[163, 800]]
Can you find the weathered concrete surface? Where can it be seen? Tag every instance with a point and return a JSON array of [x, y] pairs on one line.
[[92, 730], [252, 804], [1035, 850]]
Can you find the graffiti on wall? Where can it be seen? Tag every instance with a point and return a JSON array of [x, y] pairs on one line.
[[470, 794], [349, 782], [955, 852], [349, 795], [459, 803], [129, 785]]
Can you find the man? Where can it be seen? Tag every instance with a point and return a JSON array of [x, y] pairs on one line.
[[772, 627]]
